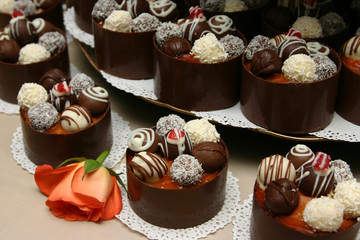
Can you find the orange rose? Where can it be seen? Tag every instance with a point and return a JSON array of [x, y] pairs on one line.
[[73, 195]]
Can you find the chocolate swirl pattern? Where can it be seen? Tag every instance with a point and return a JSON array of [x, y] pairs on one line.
[[142, 139], [220, 24], [162, 8], [97, 94], [148, 167], [75, 118], [300, 155]]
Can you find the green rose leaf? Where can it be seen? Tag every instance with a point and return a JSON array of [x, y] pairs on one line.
[[90, 166], [71, 160]]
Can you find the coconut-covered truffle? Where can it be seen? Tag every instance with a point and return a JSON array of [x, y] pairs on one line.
[[143, 139], [201, 130], [274, 167], [145, 22], [75, 118], [54, 42], [118, 21], [43, 116], [212, 5], [235, 6], [324, 67], [299, 68], [332, 23], [6, 6], [26, 6], [103, 8], [166, 31], [233, 45], [208, 49], [309, 27], [351, 48], [348, 193], [148, 167], [342, 171], [167, 123], [33, 53], [258, 43], [186, 170], [30, 94], [324, 214], [80, 82]]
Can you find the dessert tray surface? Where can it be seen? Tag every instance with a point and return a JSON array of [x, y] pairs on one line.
[[338, 130]]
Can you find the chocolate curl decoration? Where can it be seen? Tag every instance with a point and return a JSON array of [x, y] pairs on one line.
[[310, 4], [321, 161], [196, 12], [294, 33]]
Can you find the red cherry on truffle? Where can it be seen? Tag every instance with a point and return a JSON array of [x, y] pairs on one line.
[[294, 33], [321, 161], [196, 12], [176, 134], [17, 13]]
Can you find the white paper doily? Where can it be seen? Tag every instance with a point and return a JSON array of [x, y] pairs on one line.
[[241, 230], [224, 217], [121, 132], [74, 30]]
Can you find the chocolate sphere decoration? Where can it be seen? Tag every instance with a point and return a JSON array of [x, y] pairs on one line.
[[316, 179], [95, 99], [42, 26], [196, 26], [222, 25], [75, 118], [9, 51], [292, 46], [281, 197], [52, 77], [22, 30], [136, 7], [176, 46], [164, 10], [265, 63], [280, 18], [176, 142], [144, 139], [61, 96], [211, 155], [300, 155]]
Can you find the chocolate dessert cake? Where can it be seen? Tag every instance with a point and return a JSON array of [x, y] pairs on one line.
[[126, 29], [49, 10], [83, 9], [176, 172], [205, 56], [305, 195], [289, 85], [63, 117], [348, 101], [27, 50]]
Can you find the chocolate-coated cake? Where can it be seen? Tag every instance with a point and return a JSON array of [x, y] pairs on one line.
[[282, 210], [176, 191], [83, 10]]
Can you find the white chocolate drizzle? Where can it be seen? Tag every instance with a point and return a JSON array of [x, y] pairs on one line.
[[191, 25], [97, 93], [162, 8], [225, 24], [290, 41], [141, 139]]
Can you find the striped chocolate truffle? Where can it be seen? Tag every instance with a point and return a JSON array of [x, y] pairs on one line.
[[75, 118], [94, 99]]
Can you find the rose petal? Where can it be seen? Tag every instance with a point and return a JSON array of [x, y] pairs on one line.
[[68, 211], [47, 178], [114, 203]]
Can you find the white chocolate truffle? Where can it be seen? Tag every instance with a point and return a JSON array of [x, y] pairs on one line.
[[324, 214], [235, 6], [6, 6], [299, 68], [119, 21], [148, 167], [31, 94], [208, 49], [75, 118], [351, 48], [309, 27], [348, 193], [273, 168], [201, 130], [33, 53]]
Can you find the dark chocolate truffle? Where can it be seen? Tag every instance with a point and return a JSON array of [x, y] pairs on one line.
[[176, 46], [194, 29], [292, 46], [222, 25], [280, 18], [22, 30], [136, 7], [9, 51], [176, 142], [144, 139], [164, 10], [281, 197], [256, 44], [42, 26], [52, 77], [300, 155], [211, 156], [94, 99], [265, 63]]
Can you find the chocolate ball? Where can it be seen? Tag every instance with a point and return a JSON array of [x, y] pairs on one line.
[[61, 96], [176, 46], [292, 46], [265, 63], [314, 183], [52, 77], [144, 139], [136, 7], [193, 29], [43, 26], [9, 51], [75, 118], [211, 155], [222, 25], [22, 30], [95, 99], [300, 155], [164, 10], [176, 142], [280, 18], [281, 197]]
